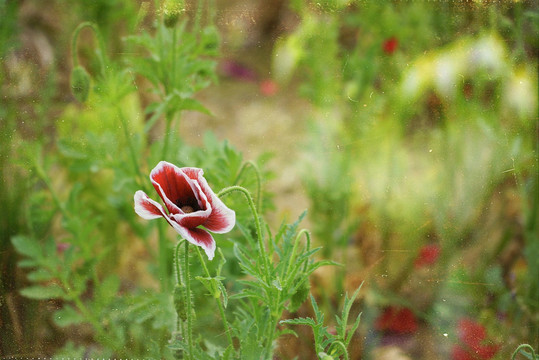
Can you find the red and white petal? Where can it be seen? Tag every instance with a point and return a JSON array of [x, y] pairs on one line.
[[222, 219], [173, 186], [202, 238], [147, 208], [191, 220]]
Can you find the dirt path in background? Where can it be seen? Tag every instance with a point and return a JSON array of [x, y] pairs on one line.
[[257, 124]]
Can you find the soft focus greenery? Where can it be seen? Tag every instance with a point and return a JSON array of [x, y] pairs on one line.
[[421, 136]]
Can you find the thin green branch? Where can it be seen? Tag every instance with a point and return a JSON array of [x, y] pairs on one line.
[[216, 294], [252, 206], [258, 180], [188, 301], [522, 347]]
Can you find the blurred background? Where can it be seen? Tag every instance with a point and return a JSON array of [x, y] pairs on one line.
[[408, 130]]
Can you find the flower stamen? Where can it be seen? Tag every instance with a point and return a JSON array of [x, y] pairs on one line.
[[187, 209]]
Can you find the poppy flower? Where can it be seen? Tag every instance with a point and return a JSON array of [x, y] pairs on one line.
[[428, 255], [472, 336], [390, 45], [397, 320], [190, 203]]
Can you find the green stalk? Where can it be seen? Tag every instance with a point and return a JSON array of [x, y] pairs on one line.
[[252, 206], [163, 257], [131, 148], [188, 300], [216, 294], [100, 43], [258, 181], [179, 323]]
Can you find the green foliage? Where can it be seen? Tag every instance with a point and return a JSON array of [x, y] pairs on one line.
[[326, 344]]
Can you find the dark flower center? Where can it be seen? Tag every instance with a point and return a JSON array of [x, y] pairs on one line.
[[187, 209], [188, 206]]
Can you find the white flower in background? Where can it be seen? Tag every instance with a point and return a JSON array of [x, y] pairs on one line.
[[417, 78], [488, 53], [521, 92], [449, 69]]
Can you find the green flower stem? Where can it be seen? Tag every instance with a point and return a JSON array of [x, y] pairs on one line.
[[252, 206], [163, 257], [179, 323], [258, 181], [131, 148], [295, 248], [521, 347], [217, 295], [100, 42], [166, 141], [188, 300]]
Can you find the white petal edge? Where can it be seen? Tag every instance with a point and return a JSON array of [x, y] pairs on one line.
[[140, 197]]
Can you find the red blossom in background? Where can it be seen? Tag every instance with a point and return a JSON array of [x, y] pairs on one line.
[[268, 87], [190, 203], [428, 255], [474, 345], [398, 320], [390, 45]]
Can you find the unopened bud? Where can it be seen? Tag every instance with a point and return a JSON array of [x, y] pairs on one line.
[[80, 83], [171, 12]]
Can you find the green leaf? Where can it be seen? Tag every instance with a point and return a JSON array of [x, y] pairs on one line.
[[26, 245], [40, 274], [299, 321], [108, 289], [37, 292], [26, 263], [211, 284], [67, 316]]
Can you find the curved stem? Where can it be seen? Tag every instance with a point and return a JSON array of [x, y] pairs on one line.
[[258, 181], [100, 44], [252, 206], [295, 248], [342, 346], [216, 294], [522, 346]]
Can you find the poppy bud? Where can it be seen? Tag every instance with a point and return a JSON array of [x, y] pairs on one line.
[[171, 12], [210, 38], [179, 301], [80, 83], [299, 296]]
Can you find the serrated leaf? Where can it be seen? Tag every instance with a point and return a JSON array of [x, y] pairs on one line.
[[37, 292], [67, 316], [300, 321]]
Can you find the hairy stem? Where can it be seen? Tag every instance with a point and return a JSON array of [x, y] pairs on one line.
[[258, 181], [217, 295], [188, 300], [252, 206]]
